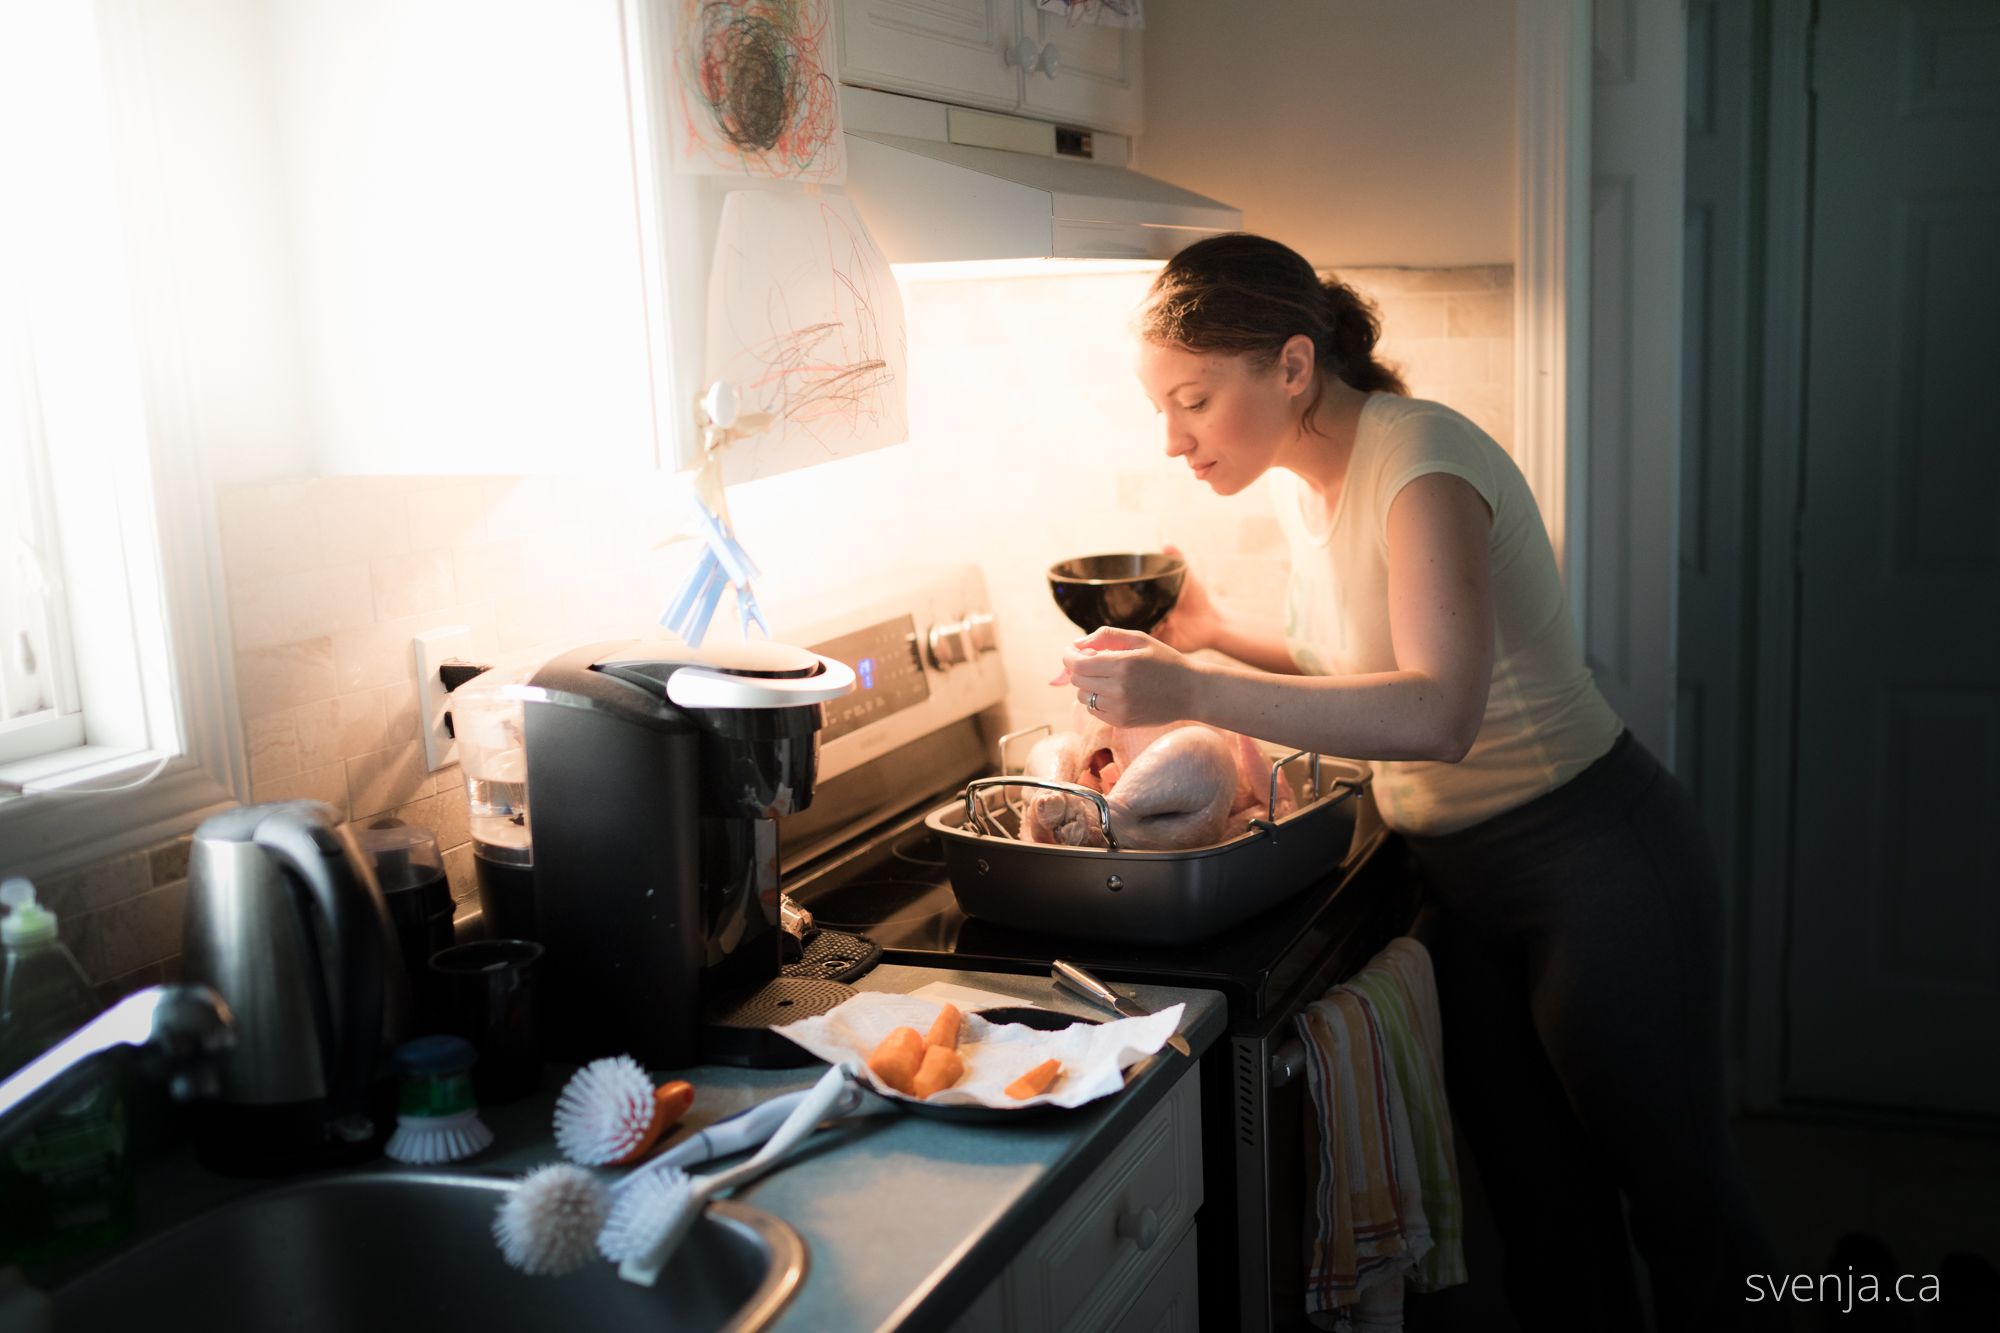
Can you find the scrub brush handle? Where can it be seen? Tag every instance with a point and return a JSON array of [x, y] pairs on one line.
[[745, 1129], [833, 1090]]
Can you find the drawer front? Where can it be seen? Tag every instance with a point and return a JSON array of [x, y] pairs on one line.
[[1125, 1221], [1171, 1301]]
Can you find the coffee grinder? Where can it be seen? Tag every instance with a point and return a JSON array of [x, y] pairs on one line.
[[643, 784]]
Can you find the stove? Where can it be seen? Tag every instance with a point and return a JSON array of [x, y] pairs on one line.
[[929, 717], [892, 888]]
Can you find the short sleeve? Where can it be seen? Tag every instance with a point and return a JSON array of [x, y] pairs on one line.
[[1432, 441]]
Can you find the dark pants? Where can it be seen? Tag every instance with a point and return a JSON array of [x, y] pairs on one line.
[[1578, 964]]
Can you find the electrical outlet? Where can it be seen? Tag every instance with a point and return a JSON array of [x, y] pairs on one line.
[[434, 647]]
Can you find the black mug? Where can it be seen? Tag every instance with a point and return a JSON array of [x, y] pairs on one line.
[[490, 987]]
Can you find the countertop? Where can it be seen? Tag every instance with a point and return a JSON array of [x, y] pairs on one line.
[[906, 1218]]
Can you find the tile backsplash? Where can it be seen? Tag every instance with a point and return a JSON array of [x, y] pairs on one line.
[[1030, 442]]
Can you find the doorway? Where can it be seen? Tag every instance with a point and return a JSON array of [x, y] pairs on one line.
[[1840, 604]]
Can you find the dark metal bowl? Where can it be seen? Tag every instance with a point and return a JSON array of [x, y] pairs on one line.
[[1124, 591]]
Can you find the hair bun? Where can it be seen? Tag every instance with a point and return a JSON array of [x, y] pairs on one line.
[[1354, 330]]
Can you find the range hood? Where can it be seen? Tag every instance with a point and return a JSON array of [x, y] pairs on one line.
[[938, 183]]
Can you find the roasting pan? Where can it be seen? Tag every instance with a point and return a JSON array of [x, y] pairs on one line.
[[1145, 897]]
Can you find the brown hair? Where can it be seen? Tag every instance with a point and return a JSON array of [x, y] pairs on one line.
[[1244, 293]]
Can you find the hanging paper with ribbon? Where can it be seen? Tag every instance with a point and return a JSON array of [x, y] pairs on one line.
[[806, 327]]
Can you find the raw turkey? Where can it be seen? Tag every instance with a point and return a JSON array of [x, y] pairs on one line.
[[1170, 787]]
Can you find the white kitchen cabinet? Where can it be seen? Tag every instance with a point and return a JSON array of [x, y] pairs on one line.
[[1085, 74], [949, 50], [1170, 1302], [472, 295], [968, 53], [1121, 1252]]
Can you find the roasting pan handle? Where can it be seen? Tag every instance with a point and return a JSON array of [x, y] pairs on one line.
[[1277, 767], [1012, 736], [977, 785]]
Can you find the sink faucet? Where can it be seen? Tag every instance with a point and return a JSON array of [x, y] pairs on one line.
[[181, 1029]]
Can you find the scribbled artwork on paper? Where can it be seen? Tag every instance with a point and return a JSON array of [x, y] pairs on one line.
[[1102, 13], [754, 91], [806, 325]]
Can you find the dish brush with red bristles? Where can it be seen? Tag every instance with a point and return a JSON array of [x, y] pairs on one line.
[[610, 1114]]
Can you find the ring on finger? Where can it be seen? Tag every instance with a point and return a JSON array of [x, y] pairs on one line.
[[1091, 702]]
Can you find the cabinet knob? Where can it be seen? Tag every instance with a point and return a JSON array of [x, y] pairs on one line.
[[1050, 59], [1142, 1228], [1023, 53]]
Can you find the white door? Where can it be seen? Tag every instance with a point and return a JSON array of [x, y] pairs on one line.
[[1629, 561], [1895, 899], [950, 50], [1087, 74]]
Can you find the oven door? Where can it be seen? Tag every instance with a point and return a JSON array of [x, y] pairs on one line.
[[1258, 1220]]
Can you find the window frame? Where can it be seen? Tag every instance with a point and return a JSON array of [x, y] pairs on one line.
[[175, 754], [60, 726]]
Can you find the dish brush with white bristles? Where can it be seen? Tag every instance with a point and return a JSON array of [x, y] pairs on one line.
[[428, 1140], [549, 1223], [656, 1213], [556, 1217], [610, 1114]]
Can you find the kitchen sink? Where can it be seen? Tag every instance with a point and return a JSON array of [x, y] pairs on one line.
[[416, 1251]]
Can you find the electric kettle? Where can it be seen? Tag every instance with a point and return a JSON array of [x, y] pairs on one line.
[[286, 921]]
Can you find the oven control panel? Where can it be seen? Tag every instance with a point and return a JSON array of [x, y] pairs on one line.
[[924, 647], [889, 675]]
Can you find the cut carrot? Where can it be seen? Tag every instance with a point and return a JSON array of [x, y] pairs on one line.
[[898, 1058], [944, 1032], [942, 1067], [1036, 1081]]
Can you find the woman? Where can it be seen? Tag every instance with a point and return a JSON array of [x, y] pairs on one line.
[[1426, 630]]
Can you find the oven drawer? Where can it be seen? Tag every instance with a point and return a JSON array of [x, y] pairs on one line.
[[1091, 1260]]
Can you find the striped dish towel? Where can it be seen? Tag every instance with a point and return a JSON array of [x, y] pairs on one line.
[[1400, 985], [1386, 1198]]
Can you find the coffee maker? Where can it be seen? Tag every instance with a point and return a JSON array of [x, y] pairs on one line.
[[624, 802]]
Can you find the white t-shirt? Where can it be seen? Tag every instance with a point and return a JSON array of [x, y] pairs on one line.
[[1545, 720]]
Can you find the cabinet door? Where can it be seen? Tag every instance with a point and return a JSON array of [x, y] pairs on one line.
[[1171, 1301], [1096, 78], [950, 50], [465, 236]]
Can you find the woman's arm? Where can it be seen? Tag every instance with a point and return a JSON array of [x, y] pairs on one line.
[[1196, 623], [1430, 707], [1264, 650]]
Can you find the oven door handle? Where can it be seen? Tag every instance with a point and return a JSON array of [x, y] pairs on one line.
[[1287, 1062]]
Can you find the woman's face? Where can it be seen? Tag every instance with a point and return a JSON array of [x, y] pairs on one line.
[[1229, 420]]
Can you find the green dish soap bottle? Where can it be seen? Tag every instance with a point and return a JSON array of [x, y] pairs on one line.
[[65, 1187]]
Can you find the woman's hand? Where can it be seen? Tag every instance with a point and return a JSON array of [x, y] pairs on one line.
[[1133, 679], [1194, 623]]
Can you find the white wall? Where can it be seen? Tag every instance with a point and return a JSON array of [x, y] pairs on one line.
[[1360, 132], [203, 175]]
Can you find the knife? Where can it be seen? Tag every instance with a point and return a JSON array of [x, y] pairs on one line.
[[1071, 977]]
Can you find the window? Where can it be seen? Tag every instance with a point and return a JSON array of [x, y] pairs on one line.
[[39, 708], [112, 684]]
